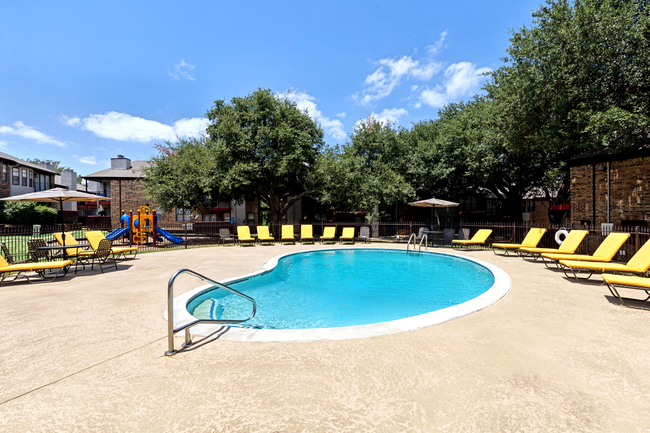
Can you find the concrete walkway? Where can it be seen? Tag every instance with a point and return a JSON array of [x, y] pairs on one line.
[[86, 354]]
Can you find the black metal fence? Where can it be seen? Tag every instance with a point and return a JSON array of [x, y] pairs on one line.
[[204, 233]]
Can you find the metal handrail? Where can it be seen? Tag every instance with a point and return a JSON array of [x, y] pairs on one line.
[[170, 310], [409, 242], [424, 239]]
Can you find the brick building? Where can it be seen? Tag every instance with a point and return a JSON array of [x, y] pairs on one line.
[[123, 183], [611, 187], [22, 177]]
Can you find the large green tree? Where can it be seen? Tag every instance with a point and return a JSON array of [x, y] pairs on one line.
[[465, 152], [259, 145], [368, 170], [578, 77]]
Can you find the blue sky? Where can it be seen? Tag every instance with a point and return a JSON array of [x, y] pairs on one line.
[[81, 82]]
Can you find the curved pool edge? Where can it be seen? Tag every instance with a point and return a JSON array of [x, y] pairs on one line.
[[499, 290]]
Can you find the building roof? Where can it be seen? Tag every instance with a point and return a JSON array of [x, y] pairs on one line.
[[10, 159], [637, 150], [134, 172]]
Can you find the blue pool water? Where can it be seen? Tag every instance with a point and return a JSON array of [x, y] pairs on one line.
[[327, 289]]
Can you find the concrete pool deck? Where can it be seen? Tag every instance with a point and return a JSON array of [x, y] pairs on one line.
[[86, 353]]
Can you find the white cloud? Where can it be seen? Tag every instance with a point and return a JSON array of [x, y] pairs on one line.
[[87, 160], [3, 145], [182, 70], [305, 102], [124, 127], [437, 46], [461, 79], [341, 114], [22, 130], [70, 121], [388, 115], [390, 74]]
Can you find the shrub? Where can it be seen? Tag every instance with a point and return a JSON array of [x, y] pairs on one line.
[[27, 213]]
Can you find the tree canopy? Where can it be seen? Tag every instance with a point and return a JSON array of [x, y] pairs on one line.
[[259, 145], [368, 170]]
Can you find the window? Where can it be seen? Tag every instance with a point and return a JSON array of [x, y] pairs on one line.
[[24, 177], [15, 176], [4, 172], [183, 214], [47, 182], [31, 178]]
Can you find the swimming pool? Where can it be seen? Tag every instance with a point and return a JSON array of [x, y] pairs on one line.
[[353, 292]]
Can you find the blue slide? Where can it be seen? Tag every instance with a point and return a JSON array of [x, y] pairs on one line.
[[170, 237], [117, 233]]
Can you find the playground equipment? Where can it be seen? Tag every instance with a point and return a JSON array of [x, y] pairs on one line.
[[141, 227]]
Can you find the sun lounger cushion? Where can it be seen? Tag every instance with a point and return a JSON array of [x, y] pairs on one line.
[[569, 246], [479, 238], [604, 253], [532, 238], [95, 236]]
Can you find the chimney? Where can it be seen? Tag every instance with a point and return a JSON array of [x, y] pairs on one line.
[[120, 163], [69, 179], [46, 165]]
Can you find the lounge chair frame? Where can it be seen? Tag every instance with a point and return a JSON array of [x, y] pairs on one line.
[[95, 237], [613, 288], [98, 256]]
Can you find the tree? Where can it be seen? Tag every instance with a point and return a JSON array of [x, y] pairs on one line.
[[259, 145], [182, 175], [577, 78], [465, 152], [368, 170]]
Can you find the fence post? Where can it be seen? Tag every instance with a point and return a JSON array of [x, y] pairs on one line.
[[185, 227]]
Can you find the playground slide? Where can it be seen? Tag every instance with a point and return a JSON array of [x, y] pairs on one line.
[[117, 233], [170, 237]]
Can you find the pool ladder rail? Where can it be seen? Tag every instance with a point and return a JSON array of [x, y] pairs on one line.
[[414, 239], [170, 310]]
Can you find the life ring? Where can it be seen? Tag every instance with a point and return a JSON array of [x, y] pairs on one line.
[[558, 234]]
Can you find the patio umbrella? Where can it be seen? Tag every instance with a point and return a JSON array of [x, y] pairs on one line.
[[56, 195], [433, 203]]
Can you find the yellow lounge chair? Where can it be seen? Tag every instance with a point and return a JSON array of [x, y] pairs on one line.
[[628, 282], [569, 246], [347, 235], [244, 235], [531, 240], [479, 238], [604, 253], [287, 234], [328, 234], [71, 241], [95, 236], [306, 233], [263, 235], [638, 264], [38, 267]]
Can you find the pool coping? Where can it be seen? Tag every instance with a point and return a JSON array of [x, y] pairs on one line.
[[500, 289]]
